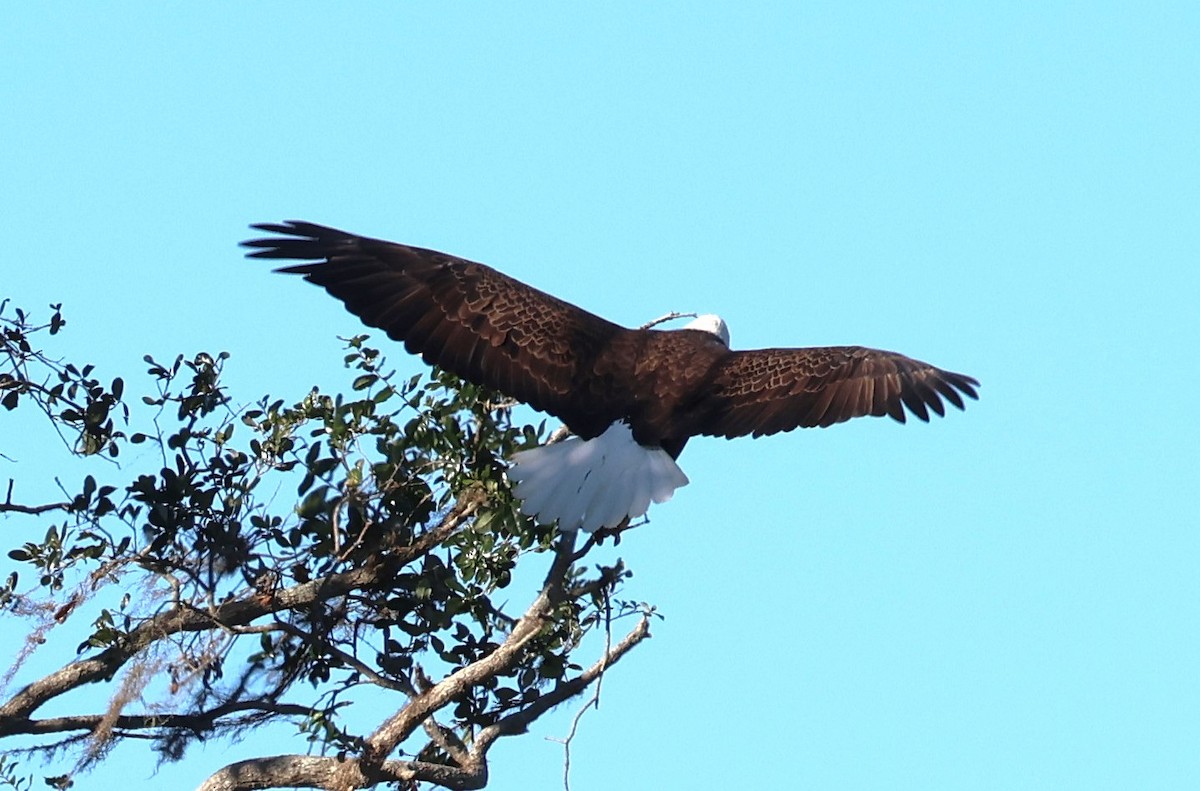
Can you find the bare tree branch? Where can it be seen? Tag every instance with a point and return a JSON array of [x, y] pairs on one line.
[[194, 722], [8, 506], [308, 771], [17, 508], [519, 722]]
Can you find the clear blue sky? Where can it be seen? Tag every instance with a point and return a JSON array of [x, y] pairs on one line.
[[1005, 599]]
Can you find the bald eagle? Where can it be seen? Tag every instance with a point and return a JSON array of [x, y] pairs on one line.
[[631, 397]]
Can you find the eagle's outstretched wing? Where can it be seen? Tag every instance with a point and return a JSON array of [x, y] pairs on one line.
[[771, 390], [463, 316]]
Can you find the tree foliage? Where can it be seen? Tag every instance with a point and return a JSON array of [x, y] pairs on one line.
[[232, 568]]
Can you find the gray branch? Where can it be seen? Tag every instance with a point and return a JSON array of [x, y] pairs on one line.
[[520, 721], [308, 771], [129, 722], [17, 508]]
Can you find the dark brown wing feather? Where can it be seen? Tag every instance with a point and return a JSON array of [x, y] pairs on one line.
[[771, 390], [463, 316]]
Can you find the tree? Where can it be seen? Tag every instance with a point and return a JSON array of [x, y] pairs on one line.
[[220, 605]]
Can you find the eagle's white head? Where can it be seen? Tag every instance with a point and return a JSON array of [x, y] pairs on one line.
[[710, 322]]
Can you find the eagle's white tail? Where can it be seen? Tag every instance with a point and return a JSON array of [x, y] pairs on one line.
[[593, 483]]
